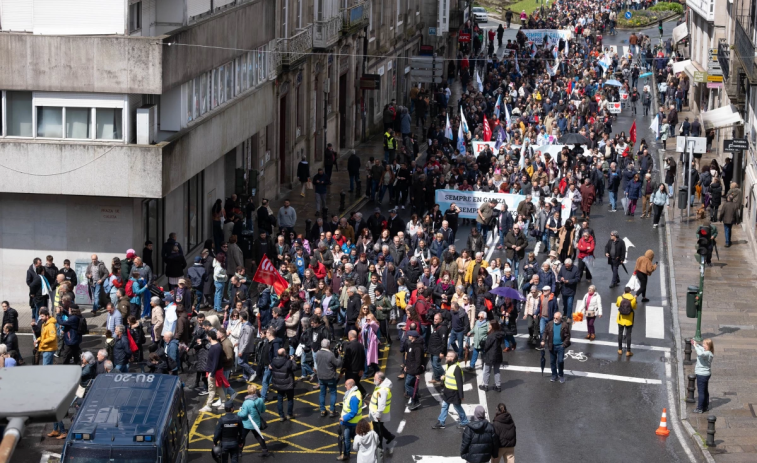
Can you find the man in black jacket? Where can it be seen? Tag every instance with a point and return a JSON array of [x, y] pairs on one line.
[[10, 316], [437, 347], [480, 440], [282, 379], [264, 246], [615, 251], [353, 169], [353, 360], [353, 309], [414, 365], [229, 433]]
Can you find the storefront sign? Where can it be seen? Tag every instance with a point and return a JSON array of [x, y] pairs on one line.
[[700, 77]]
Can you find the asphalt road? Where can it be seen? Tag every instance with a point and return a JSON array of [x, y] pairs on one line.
[[610, 405]]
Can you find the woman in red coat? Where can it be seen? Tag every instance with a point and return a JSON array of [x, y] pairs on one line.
[[585, 249], [588, 194]]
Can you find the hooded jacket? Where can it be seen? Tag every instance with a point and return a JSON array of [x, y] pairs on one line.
[[505, 428], [480, 442]]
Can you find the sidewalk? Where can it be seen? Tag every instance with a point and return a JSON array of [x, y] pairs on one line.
[[729, 317]]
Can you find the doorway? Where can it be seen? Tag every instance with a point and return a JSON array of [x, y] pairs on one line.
[[343, 111]]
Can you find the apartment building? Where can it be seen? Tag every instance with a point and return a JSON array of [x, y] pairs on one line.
[[124, 120]]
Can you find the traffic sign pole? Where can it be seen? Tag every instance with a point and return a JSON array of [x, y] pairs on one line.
[[698, 333]]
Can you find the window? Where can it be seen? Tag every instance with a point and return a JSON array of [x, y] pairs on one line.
[[399, 12], [299, 14], [319, 10], [78, 122], [251, 81], [49, 122], [204, 93], [216, 85], [109, 123], [135, 17], [194, 189], [284, 14], [153, 219], [229, 80], [299, 101], [262, 64], [19, 114], [190, 99], [197, 98]]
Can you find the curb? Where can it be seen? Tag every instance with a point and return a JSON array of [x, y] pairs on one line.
[[354, 206], [693, 434], [650, 24]]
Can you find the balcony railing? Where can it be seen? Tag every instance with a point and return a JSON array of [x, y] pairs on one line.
[[355, 17], [296, 47], [326, 33], [744, 46]]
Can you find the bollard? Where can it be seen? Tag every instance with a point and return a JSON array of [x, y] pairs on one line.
[[342, 198], [687, 349], [710, 442], [690, 389]]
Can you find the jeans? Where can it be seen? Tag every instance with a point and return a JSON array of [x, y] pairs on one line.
[[545, 240], [473, 358], [514, 265], [354, 179], [198, 299], [557, 361], [487, 371], [437, 367], [567, 305], [727, 227], [266, 383], [410, 387], [460, 412], [374, 189], [122, 368], [320, 201], [542, 324], [628, 330], [613, 200], [146, 307], [703, 383], [96, 290], [329, 384], [306, 369], [289, 393], [456, 341], [61, 428], [348, 433], [247, 370], [48, 358], [218, 298]]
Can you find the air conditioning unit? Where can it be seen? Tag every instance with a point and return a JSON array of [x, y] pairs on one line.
[[147, 124]]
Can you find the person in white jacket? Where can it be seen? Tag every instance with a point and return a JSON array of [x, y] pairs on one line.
[[365, 443], [592, 309]]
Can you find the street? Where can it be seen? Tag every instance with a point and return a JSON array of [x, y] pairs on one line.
[[608, 409]]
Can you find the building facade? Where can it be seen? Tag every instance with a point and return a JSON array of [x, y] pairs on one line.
[[124, 120]]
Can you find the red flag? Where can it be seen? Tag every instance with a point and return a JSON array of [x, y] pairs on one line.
[[487, 130], [267, 274], [633, 132]]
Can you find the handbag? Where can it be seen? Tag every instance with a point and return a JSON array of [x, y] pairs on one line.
[[309, 185]]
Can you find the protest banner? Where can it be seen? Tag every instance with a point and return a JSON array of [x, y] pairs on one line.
[[470, 201]]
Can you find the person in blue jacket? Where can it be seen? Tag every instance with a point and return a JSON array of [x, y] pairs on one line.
[[633, 192], [138, 288], [71, 336], [251, 413]]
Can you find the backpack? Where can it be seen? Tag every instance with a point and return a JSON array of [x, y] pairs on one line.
[[83, 327], [625, 306], [130, 289]]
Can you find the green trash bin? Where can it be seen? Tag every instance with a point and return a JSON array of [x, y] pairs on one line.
[[691, 301]]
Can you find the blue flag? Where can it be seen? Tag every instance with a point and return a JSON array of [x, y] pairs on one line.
[[501, 137], [460, 139]]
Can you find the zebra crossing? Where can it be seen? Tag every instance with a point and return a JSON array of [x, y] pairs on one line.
[[652, 316]]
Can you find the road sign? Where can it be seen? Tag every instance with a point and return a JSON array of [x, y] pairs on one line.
[[628, 15], [426, 62], [700, 77], [427, 72], [614, 107], [431, 31], [711, 78], [736, 144], [370, 82], [700, 144]]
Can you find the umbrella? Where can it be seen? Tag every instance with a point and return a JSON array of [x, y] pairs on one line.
[[543, 362], [646, 74], [506, 291], [613, 83], [624, 267], [574, 139]]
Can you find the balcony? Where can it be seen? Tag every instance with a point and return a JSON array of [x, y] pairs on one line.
[[744, 49], [326, 33], [293, 49], [355, 17], [704, 8]]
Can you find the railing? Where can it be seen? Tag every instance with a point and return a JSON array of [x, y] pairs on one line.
[[326, 33], [744, 46], [355, 16], [296, 47]]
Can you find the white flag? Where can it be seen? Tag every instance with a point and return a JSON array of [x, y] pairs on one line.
[[507, 115], [464, 123], [448, 130], [655, 127], [478, 81]]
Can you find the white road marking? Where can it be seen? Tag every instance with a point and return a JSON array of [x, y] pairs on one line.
[[609, 343], [629, 245], [582, 325], [468, 387], [401, 427], [655, 322], [587, 374], [613, 319], [436, 459], [481, 394]]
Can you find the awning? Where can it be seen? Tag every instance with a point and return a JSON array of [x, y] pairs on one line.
[[680, 32], [720, 118], [679, 66]]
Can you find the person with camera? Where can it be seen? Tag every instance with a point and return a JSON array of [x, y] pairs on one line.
[[327, 365]]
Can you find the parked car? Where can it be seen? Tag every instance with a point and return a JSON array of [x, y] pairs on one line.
[[480, 14]]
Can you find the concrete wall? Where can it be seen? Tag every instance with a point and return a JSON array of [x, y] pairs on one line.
[[88, 169], [194, 149], [80, 64], [66, 227], [245, 27]]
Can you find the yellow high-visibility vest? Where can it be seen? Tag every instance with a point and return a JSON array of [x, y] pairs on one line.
[[373, 406], [346, 406], [449, 376]]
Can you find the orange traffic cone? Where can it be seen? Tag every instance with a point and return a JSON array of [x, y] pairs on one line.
[[663, 429]]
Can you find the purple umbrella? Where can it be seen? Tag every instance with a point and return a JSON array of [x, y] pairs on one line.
[[506, 291]]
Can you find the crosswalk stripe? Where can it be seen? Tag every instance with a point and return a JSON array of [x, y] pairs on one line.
[[613, 319], [580, 326], [625, 50], [655, 322]]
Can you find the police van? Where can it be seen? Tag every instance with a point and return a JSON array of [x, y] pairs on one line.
[[129, 417]]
